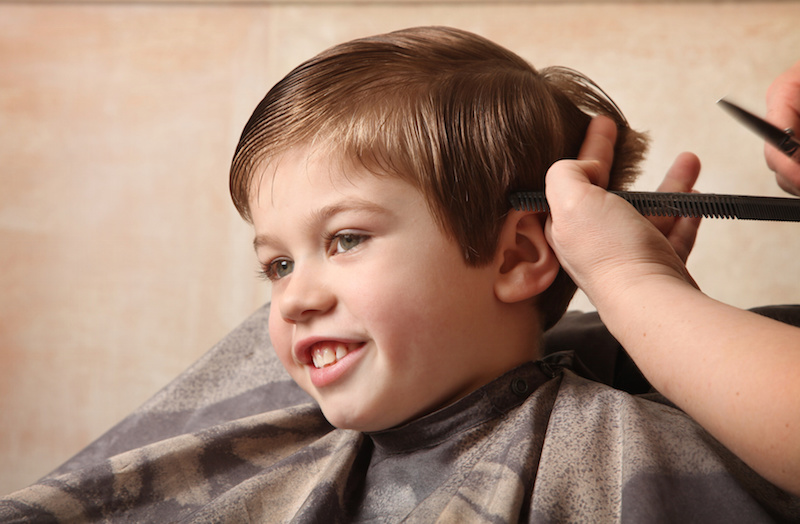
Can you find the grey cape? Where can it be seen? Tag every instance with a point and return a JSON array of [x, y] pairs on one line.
[[233, 439]]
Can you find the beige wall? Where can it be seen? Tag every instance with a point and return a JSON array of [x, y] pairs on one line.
[[121, 258]]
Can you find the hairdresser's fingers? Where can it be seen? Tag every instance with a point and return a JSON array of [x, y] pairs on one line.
[[569, 182], [575, 188], [682, 175], [598, 149], [571, 186], [783, 110], [680, 231], [682, 235], [593, 233], [601, 241]]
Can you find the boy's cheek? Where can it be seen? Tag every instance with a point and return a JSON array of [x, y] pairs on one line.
[[281, 338]]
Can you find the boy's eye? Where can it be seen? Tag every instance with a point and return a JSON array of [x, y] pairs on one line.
[[345, 242], [277, 269]]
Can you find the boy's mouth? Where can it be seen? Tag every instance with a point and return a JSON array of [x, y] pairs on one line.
[[327, 353]]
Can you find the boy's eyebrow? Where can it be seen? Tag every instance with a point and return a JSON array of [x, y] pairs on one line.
[[325, 213]]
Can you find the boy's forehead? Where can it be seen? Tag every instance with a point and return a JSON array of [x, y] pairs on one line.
[[318, 177], [302, 194], [297, 168], [317, 170]]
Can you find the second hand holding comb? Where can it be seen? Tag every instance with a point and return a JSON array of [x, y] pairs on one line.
[[707, 205]]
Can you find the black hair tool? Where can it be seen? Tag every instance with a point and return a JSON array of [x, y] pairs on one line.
[[686, 205], [784, 140]]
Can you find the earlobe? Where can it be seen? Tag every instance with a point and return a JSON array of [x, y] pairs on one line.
[[526, 263]]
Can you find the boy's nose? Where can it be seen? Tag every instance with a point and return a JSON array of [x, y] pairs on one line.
[[304, 296]]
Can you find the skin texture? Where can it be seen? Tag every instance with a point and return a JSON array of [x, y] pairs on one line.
[[783, 110], [733, 371], [357, 260]]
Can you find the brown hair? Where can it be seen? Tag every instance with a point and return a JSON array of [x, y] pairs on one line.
[[462, 119]]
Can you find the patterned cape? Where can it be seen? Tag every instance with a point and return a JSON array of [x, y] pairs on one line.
[[233, 439]]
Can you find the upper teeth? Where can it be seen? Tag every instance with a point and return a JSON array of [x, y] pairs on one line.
[[326, 354]]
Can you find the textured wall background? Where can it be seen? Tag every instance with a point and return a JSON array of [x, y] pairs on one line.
[[121, 258]]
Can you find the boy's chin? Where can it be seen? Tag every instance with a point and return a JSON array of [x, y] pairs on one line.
[[341, 421], [363, 422]]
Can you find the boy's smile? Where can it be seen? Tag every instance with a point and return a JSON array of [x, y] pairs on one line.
[[326, 358], [374, 311]]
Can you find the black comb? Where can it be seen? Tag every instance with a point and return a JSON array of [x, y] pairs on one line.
[[706, 205]]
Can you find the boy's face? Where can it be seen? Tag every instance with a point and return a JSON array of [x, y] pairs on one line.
[[374, 311]]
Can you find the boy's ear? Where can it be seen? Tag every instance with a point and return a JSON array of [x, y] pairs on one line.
[[526, 263]]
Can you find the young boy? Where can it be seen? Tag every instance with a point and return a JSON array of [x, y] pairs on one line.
[[409, 301], [377, 176]]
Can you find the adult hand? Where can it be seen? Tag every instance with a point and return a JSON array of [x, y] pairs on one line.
[[680, 231], [733, 371], [783, 110], [602, 241]]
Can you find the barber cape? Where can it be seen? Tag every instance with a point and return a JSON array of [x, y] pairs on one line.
[[233, 439]]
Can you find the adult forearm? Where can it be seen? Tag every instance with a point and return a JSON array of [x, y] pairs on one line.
[[735, 372]]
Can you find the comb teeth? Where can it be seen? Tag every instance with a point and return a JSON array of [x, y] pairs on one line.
[[686, 205]]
